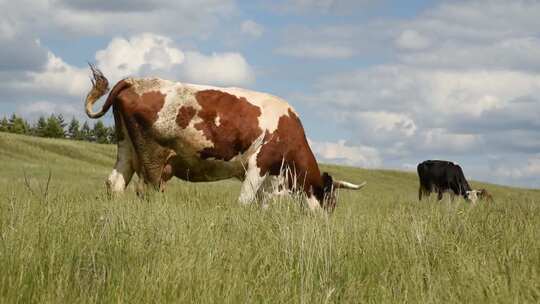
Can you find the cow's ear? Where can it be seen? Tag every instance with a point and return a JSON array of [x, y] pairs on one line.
[[327, 182]]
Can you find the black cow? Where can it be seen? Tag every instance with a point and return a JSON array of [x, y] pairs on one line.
[[440, 176]]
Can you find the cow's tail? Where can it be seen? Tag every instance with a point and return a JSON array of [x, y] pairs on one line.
[[100, 86]]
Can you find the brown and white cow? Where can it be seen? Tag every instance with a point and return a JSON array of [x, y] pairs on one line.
[[203, 133], [480, 195]]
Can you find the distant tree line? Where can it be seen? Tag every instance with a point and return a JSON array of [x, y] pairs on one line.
[[55, 126]]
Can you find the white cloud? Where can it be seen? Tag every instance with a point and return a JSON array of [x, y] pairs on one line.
[[507, 53], [462, 34], [383, 121], [20, 51], [433, 94], [150, 55], [57, 78], [340, 152], [409, 114], [473, 92], [529, 170], [252, 28], [438, 140], [323, 51], [412, 40], [60, 77], [476, 35], [479, 20], [125, 57], [180, 18], [221, 69]]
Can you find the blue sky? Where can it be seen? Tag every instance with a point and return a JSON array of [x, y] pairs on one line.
[[382, 84]]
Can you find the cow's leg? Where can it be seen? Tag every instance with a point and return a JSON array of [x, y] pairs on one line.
[[439, 195], [273, 187], [123, 169], [420, 192], [140, 185], [150, 181], [250, 186], [252, 182]]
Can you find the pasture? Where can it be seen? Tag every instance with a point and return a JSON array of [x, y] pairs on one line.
[[65, 241]]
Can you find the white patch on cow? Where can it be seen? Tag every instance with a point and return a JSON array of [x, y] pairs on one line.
[[272, 107], [472, 195], [252, 182], [116, 181], [275, 186], [217, 121], [144, 85]]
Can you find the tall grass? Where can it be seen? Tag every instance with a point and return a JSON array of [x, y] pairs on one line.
[[196, 244]]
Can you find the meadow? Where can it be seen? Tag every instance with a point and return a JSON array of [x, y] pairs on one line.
[[62, 240]]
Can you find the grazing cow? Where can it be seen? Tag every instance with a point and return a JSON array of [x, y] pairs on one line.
[[479, 195], [441, 176], [202, 133]]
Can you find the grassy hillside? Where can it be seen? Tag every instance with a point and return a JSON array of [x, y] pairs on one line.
[[194, 243]]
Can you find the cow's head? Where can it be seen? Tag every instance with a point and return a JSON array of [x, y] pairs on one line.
[[472, 195], [328, 197], [479, 195]]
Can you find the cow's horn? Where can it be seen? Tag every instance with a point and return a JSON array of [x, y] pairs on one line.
[[346, 185]]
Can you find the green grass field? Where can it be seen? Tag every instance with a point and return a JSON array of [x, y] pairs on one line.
[[194, 244]]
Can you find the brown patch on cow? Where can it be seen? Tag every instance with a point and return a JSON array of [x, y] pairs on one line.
[[288, 145], [185, 115], [144, 108], [238, 123], [151, 104]]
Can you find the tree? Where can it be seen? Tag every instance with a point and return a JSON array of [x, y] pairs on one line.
[[62, 123], [100, 132], [111, 135], [4, 125], [40, 127], [18, 125], [54, 128], [86, 132], [73, 130]]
